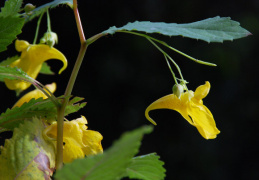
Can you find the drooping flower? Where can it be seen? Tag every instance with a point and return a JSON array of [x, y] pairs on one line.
[[31, 60], [190, 106], [78, 141], [35, 94]]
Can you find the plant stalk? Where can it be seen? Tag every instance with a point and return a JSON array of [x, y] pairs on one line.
[[70, 85]]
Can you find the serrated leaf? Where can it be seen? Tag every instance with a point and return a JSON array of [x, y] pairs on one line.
[[11, 8], [111, 165], [147, 167], [10, 27], [45, 69], [35, 108], [9, 61], [37, 11], [7, 72], [217, 29], [27, 155]]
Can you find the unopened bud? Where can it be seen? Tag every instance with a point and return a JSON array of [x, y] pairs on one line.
[[178, 90], [28, 7], [50, 38]]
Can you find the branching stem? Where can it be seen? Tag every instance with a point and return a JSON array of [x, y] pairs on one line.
[[61, 111]]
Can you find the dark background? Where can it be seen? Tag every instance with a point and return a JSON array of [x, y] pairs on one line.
[[122, 74]]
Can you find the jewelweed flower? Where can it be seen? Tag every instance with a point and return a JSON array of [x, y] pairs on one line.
[[78, 141], [190, 106], [31, 60], [35, 94]]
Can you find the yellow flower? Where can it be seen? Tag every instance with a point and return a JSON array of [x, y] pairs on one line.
[[190, 106], [31, 60], [35, 94], [78, 141]]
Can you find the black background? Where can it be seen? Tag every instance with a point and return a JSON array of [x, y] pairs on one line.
[[122, 74]]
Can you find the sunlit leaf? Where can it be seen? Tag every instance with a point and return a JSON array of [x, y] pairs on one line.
[[27, 155]]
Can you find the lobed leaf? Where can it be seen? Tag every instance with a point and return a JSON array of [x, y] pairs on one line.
[[217, 29], [111, 165], [147, 167], [39, 10], [40, 108], [27, 155], [10, 27]]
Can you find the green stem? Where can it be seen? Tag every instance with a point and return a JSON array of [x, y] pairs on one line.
[[175, 79], [165, 44], [48, 21], [71, 82], [37, 29], [39, 86], [165, 54], [47, 92]]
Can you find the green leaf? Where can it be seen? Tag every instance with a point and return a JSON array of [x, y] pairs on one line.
[[27, 155], [111, 165], [11, 8], [7, 72], [217, 29], [45, 69], [147, 167], [37, 11], [9, 61], [10, 27], [35, 108]]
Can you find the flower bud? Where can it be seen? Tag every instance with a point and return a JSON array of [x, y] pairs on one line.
[[50, 38], [28, 7], [178, 90]]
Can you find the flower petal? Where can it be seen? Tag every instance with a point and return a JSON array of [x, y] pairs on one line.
[[71, 130], [171, 102], [202, 91], [21, 45], [78, 140], [71, 151], [203, 120], [35, 94], [92, 141]]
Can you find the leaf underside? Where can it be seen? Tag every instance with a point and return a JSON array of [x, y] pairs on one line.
[[41, 9], [217, 29]]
